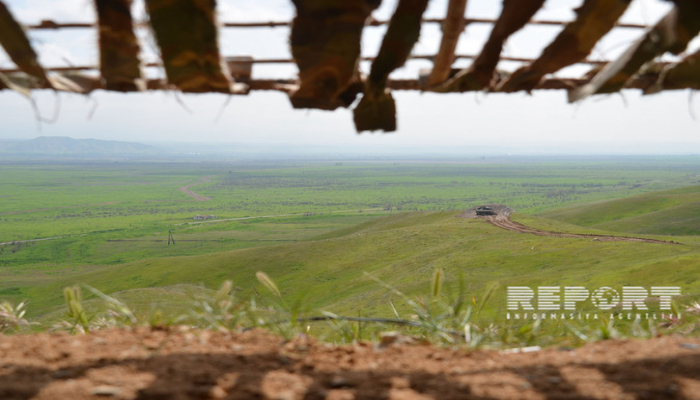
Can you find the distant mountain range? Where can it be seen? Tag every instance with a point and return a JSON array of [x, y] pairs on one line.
[[65, 146]]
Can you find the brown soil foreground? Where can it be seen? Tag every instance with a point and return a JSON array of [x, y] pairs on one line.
[[502, 220], [179, 363]]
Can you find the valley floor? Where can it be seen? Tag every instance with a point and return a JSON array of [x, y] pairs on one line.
[[179, 363]]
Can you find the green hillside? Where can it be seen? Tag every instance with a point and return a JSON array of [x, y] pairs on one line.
[[670, 212], [402, 250]]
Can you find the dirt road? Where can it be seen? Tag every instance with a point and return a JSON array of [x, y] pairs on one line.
[[212, 221], [502, 220], [186, 189]]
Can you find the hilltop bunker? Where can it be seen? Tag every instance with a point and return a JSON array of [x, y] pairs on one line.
[[484, 210], [487, 210]]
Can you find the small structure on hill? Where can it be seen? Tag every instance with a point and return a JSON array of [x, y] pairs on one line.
[[203, 217], [485, 210]]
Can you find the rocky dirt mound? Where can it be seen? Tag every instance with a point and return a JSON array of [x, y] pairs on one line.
[[179, 363], [502, 220]]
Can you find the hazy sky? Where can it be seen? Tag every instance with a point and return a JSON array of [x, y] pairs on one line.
[[659, 124]]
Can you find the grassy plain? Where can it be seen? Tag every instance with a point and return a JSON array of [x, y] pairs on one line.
[[113, 221], [41, 200]]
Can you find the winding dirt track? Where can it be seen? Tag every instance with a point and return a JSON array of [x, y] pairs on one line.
[[502, 220], [186, 190]]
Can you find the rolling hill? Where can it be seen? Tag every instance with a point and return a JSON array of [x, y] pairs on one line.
[[403, 250], [671, 212]]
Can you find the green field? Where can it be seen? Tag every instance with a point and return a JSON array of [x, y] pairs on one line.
[[669, 212], [316, 227]]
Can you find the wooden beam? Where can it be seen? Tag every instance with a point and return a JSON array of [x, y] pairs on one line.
[[681, 75], [17, 46], [377, 109], [452, 28], [514, 16], [119, 49], [671, 34], [53, 25], [325, 41], [187, 34], [574, 43], [91, 83]]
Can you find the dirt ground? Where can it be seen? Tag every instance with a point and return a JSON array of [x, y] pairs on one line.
[[502, 220], [179, 363]]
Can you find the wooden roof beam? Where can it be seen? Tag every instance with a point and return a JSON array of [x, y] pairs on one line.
[[91, 83], [48, 24], [684, 74], [187, 34], [17, 46], [119, 49], [574, 43], [452, 28], [671, 34], [377, 109], [326, 37], [479, 75]]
